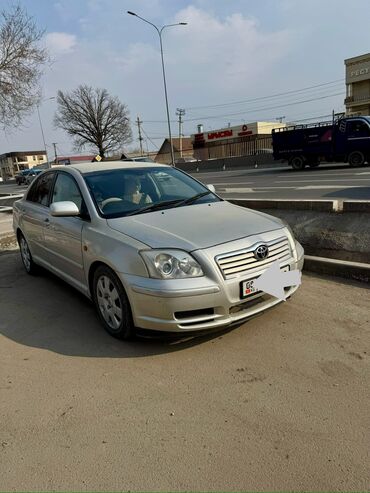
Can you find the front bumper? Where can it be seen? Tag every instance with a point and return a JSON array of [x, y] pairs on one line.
[[189, 305]]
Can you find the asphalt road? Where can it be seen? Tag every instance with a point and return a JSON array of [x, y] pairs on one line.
[[279, 403], [325, 182]]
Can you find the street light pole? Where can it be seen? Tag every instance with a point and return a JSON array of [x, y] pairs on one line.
[[159, 31], [42, 130], [43, 136]]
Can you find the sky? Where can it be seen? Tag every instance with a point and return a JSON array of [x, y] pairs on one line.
[[229, 65]]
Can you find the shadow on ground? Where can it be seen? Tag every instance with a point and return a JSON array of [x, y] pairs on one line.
[[44, 312], [358, 193]]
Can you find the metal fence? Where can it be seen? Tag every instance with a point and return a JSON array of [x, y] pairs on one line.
[[243, 146]]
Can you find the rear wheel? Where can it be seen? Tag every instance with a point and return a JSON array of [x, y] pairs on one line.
[[112, 303], [28, 263], [297, 163], [356, 159]]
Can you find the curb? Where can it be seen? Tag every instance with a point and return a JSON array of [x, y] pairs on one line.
[[290, 204], [338, 206], [338, 268]]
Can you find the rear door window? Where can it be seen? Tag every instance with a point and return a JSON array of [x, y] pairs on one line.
[[41, 188]]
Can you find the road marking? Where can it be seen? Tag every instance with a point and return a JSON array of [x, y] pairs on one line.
[[233, 183], [317, 181], [263, 189], [316, 174], [323, 187], [236, 190], [364, 173]]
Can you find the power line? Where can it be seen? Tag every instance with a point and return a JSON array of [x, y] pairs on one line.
[[210, 117], [283, 104], [317, 93], [266, 97], [150, 140]]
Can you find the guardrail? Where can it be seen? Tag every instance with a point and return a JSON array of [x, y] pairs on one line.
[[7, 201]]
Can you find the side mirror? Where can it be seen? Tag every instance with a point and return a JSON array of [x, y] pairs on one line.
[[211, 187], [64, 209]]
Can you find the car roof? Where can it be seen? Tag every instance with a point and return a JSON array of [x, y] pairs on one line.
[[109, 165]]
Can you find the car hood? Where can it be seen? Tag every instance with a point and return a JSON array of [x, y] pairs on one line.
[[195, 226]]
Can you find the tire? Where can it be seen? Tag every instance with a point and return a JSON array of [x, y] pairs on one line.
[[27, 260], [356, 159], [112, 304], [297, 163]]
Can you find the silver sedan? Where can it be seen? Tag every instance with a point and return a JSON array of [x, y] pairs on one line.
[[151, 246]]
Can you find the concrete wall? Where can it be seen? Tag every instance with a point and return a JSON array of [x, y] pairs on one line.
[[242, 162], [323, 232]]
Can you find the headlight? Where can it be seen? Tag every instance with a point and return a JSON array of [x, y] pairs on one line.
[[171, 264]]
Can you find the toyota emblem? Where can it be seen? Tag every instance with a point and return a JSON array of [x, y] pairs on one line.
[[261, 252]]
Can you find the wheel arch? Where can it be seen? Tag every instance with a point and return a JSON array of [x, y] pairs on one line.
[[92, 269]]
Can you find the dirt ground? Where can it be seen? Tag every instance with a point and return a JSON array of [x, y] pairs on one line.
[[279, 403]]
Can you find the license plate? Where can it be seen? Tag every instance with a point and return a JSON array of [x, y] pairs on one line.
[[247, 287]]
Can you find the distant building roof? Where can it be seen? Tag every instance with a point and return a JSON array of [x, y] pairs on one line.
[[76, 159], [21, 153], [187, 144]]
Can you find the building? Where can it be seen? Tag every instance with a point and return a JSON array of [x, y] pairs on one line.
[[13, 162], [241, 140], [72, 159], [164, 153], [358, 85]]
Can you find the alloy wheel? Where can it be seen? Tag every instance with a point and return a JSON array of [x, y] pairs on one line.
[[25, 253], [109, 302]]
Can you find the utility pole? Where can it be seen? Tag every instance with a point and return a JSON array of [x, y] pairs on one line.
[[139, 122], [180, 113], [55, 152], [280, 118]]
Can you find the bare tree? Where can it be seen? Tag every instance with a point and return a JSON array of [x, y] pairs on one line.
[[93, 118], [21, 61]]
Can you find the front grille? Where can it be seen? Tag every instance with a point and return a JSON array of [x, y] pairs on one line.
[[232, 264]]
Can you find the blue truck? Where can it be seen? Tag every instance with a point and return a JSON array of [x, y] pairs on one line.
[[346, 139]]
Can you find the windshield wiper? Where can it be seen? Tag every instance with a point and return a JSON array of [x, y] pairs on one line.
[[153, 207], [193, 199], [167, 203]]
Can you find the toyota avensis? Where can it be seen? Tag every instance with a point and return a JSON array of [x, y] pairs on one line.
[[151, 246]]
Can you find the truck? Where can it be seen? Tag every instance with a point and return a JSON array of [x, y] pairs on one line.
[[345, 139]]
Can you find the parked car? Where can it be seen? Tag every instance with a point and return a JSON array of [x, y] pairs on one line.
[[22, 176], [151, 246], [140, 159], [32, 175], [185, 159]]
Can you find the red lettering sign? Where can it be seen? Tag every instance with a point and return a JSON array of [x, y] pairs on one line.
[[220, 135]]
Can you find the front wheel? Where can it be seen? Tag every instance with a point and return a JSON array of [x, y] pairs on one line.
[[112, 303], [297, 163], [356, 159]]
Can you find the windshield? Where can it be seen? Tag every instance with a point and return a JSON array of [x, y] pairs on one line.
[[123, 192]]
